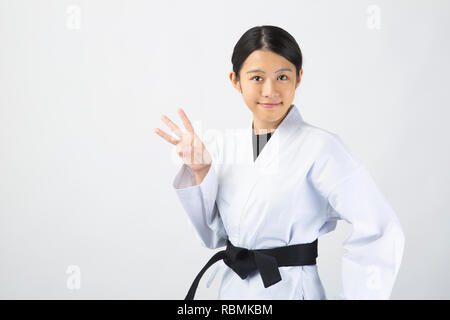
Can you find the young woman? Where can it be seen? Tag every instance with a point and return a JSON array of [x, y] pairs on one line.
[[288, 184]]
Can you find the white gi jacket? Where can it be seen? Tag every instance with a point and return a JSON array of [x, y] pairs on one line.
[[303, 181]]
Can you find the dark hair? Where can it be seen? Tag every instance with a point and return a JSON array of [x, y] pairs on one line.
[[269, 38]]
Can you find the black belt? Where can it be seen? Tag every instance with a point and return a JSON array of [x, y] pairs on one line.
[[244, 261]]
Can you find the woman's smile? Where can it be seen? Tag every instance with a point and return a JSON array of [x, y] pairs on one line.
[[269, 105]]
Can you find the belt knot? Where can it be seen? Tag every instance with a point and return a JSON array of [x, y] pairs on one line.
[[244, 261]]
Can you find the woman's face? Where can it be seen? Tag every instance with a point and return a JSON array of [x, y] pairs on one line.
[[267, 77]]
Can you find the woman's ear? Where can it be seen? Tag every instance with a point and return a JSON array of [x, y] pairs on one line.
[[236, 84], [299, 78]]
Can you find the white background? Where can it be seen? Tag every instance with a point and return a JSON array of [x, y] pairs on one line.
[[85, 181]]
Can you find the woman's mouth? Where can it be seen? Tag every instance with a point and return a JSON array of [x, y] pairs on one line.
[[269, 105]]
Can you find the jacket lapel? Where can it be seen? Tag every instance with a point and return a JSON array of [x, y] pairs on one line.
[[269, 159], [240, 178]]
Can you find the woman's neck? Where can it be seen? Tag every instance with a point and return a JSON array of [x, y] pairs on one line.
[[261, 127]]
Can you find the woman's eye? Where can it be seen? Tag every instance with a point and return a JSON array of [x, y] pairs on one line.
[[256, 77], [283, 75]]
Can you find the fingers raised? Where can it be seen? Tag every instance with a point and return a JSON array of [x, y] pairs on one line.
[[167, 137], [186, 121], [172, 126]]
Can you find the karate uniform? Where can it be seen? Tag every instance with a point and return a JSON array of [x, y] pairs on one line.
[[303, 180]]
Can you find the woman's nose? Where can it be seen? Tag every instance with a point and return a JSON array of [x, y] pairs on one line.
[[269, 88]]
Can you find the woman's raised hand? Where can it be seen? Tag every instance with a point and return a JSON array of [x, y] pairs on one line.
[[189, 147]]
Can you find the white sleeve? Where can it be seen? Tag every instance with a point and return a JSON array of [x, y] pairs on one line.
[[374, 249], [199, 202]]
